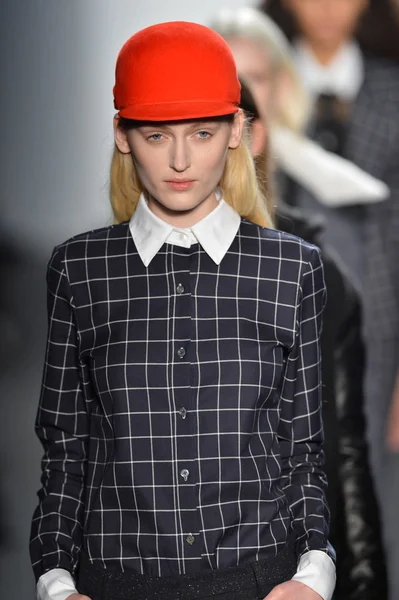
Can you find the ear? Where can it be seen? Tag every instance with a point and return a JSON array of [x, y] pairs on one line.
[[258, 137], [237, 129], [120, 137]]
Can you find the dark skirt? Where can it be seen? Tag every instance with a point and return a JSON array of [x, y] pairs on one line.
[[248, 582]]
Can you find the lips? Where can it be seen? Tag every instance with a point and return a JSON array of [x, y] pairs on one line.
[[180, 185]]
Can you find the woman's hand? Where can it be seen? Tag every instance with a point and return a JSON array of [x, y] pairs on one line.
[[393, 421], [78, 597], [293, 590]]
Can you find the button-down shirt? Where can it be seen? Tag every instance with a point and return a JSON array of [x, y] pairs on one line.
[[196, 354], [342, 77]]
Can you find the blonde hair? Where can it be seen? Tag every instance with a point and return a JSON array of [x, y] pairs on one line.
[[239, 185], [252, 24]]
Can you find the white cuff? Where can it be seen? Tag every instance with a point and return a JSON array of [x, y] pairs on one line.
[[317, 571], [56, 584]]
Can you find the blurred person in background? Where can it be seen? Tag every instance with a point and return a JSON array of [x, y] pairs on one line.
[[376, 30], [347, 55], [346, 85], [355, 523], [181, 402], [337, 184]]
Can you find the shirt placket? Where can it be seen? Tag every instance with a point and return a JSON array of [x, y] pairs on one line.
[[186, 457]]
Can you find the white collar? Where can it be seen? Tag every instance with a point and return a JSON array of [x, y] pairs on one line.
[[343, 76], [334, 180], [215, 232]]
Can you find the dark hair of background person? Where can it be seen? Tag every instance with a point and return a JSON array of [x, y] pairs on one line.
[[262, 162], [377, 31], [247, 102]]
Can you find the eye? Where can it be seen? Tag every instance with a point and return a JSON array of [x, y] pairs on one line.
[[203, 135], [155, 137]]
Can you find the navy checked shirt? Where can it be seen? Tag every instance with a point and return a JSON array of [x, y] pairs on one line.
[[180, 410]]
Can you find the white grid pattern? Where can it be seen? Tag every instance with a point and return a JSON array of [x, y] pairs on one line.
[[110, 417]]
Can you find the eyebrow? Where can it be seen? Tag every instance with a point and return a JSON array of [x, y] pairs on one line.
[[156, 126]]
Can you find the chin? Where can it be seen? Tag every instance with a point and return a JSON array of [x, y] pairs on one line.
[[328, 36], [180, 201], [181, 205]]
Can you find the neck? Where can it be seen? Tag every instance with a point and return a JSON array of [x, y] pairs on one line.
[[182, 219], [325, 53]]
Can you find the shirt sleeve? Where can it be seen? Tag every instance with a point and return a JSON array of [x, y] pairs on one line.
[[62, 427], [300, 430], [317, 571], [56, 584]]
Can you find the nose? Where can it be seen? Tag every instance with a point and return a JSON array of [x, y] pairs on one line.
[[179, 159]]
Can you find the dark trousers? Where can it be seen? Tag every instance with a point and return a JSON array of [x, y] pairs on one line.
[[248, 582]]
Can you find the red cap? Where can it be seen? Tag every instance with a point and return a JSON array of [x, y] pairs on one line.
[[174, 71]]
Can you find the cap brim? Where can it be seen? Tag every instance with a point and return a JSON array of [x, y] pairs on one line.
[[178, 111]]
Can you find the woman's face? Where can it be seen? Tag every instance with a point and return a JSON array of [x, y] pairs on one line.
[[181, 164], [254, 66], [326, 22]]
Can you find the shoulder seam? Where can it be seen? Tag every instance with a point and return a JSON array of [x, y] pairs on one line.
[[85, 234]]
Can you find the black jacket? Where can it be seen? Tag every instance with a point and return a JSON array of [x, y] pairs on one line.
[[355, 524]]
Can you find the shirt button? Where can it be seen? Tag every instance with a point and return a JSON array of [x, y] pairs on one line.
[[181, 353], [183, 412], [180, 289], [190, 539], [185, 473], [183, 237]]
